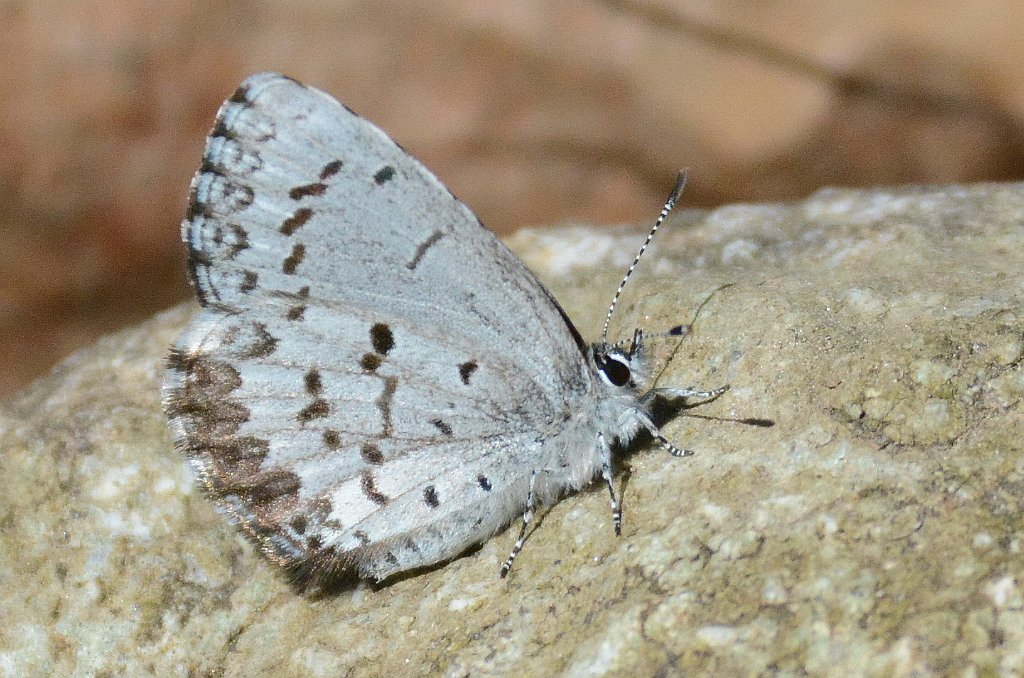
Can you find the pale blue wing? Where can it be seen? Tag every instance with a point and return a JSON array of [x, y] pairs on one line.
[[373, 371]]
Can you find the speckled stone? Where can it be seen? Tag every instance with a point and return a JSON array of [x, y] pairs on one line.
[[875, 529]]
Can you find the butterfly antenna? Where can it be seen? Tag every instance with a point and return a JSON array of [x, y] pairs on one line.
[[673, 198]]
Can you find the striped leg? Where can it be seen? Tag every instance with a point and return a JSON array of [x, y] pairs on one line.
[[606, 473], [527, 517]]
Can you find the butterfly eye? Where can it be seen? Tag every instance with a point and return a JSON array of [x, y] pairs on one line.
[[615, 370]]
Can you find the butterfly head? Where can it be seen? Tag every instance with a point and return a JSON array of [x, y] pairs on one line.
[[622, 366]]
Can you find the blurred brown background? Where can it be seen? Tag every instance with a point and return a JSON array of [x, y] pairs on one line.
[[533, 112]]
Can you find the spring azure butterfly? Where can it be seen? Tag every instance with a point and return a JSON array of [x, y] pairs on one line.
[[375, 383]]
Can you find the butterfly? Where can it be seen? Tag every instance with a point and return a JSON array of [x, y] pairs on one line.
[[375, 383]]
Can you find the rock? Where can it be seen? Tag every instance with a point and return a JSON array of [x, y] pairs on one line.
[[874, 528]]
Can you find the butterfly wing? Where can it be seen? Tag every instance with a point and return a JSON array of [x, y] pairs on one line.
[[356, 391]]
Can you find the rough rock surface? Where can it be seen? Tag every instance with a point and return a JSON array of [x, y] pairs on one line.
[[876, 529]]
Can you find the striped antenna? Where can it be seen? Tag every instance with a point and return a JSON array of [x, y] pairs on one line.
[[673, 198]]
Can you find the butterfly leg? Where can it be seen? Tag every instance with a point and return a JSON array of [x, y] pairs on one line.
[[527, 517], [687, 393], [655, 432], [673, 393], [606, 474], [646, 422]]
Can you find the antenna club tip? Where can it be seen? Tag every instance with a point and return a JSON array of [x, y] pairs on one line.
[[677, 190]]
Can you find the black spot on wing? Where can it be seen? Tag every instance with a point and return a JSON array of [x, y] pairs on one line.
[[307, 190], [371, 454], [314, 382], [484, 483], [318, 409], [466, 370], [294, 259], [332, 439], [383, 404], [442, 426], [220, 127], [421, 250], [241, 96], [369, 487], [298, 218], [249, 281], [263, 343], [314, 542], [330, 169], [382, 338], [430, 497], [370, 361], [296, 311], [384, 175]]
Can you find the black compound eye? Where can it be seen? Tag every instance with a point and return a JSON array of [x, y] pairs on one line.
[[615, 370]]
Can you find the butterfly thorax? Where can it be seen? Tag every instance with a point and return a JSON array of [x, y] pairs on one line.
[[614, 408]]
